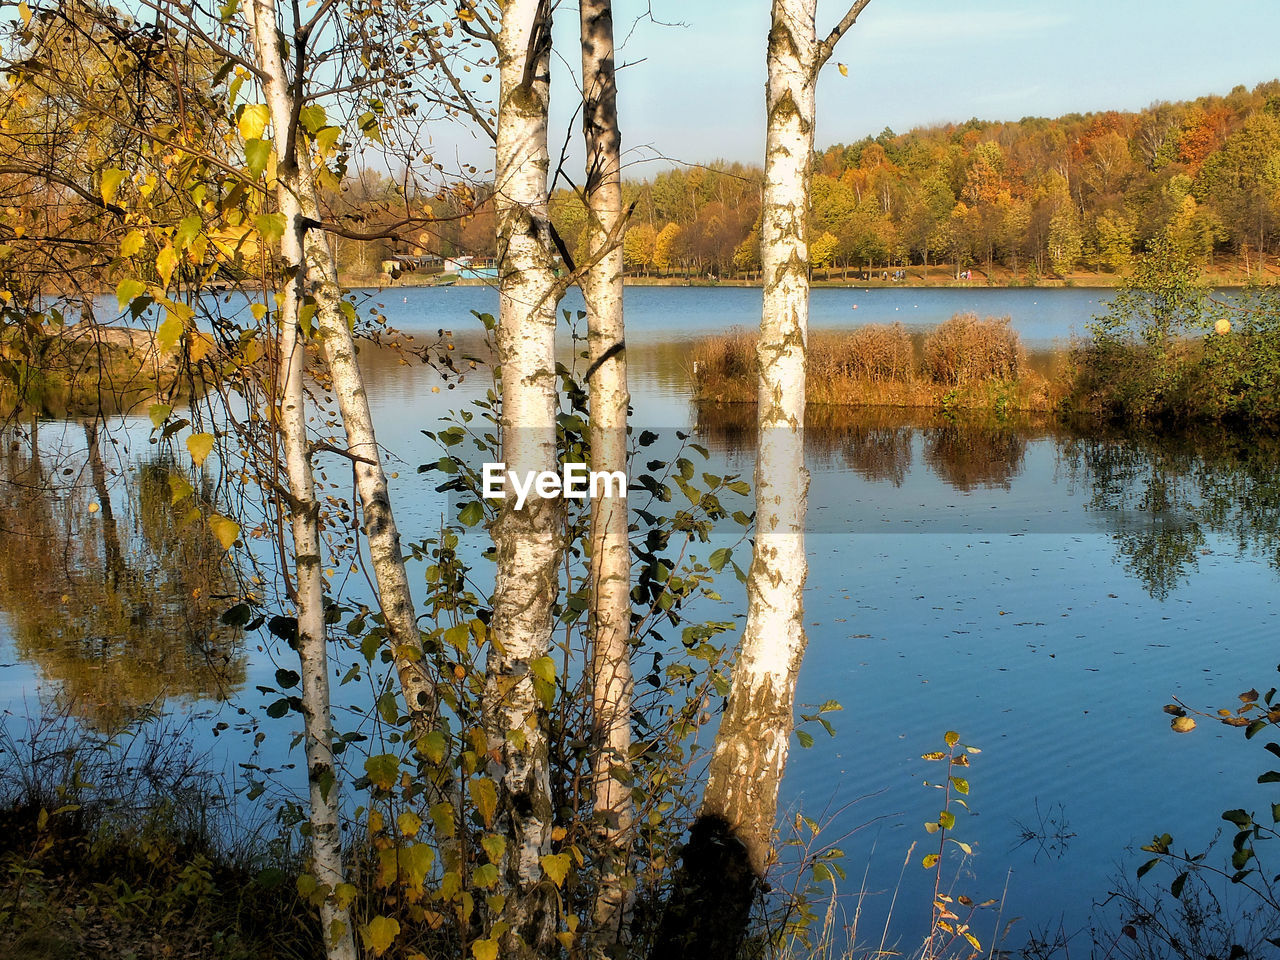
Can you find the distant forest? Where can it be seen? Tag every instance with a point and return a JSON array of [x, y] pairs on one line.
[[1036, 197]]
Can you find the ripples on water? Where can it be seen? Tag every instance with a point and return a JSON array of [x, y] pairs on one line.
[[1039, 592]]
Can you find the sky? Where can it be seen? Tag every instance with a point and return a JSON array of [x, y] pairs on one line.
[[694, 91]]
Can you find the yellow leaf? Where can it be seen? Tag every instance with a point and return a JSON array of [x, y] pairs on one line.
[[409, 823], [1182, 725], [111, 180], [25, 13], [159, 413], [259, 310], [555, 866], [199, 445], [484, 794], [225, 530], [485, 950], [166, 260], [170, 333], [253, 120], [844, 71], [132, 243], [380, 934]]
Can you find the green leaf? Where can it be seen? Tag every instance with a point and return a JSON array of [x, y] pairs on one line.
[[278, 709], [930, 860], [256, 155], [287, 678], [805, 738], [719, 558], [946, 819], [159, 413], [270, 227], [471, 514], [1175, 888], [326, 139], [1239, 817], [187, 231], [129, 290], [432, 746], [368, 124], [169, 334], [312, 118], [383, 770], [494, 846], [1146, 867], [952, 738], [961, 785], [544, 668]]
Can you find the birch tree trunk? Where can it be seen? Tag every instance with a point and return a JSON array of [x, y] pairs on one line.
[[750, 751], [304, 513], [731, 846], [528, 542], [610, 574], [308, 250]]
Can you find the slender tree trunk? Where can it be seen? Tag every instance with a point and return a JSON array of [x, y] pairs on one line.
[[296, 198], [610, 574], [751, 747], [529, 541], [324, 792], [731, 846]]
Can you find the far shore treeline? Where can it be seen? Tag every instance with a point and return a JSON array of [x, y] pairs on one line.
[[1014, 201]]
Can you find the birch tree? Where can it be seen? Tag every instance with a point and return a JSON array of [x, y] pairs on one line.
[[735, 829], [610, 573], [307, 252], [528, 541]]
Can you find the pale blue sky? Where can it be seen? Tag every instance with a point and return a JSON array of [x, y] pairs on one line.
[[697, 92]]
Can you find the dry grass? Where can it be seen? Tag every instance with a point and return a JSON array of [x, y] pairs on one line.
[[966, 349], [966, 363]]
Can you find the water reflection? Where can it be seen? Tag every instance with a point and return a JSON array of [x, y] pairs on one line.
[[114, 593], [972, 455], [1164, 497], [878, 443]]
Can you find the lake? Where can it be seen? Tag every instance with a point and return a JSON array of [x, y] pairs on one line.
[[1042, 593]]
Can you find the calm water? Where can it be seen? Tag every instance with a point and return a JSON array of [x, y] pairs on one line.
[[1042, 594]]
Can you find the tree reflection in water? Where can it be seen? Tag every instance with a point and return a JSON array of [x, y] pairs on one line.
[[1164, 496], [117, 603]]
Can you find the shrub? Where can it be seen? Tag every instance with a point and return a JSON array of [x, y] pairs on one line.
[[966, 349], [877, 352]]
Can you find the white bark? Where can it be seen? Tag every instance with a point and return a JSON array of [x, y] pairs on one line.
[[296, 198], [610, 575], [750, 752], [324, 792], [528, 541]]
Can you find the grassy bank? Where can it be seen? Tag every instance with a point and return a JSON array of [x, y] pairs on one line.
[[126, 847], [967, 363]]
